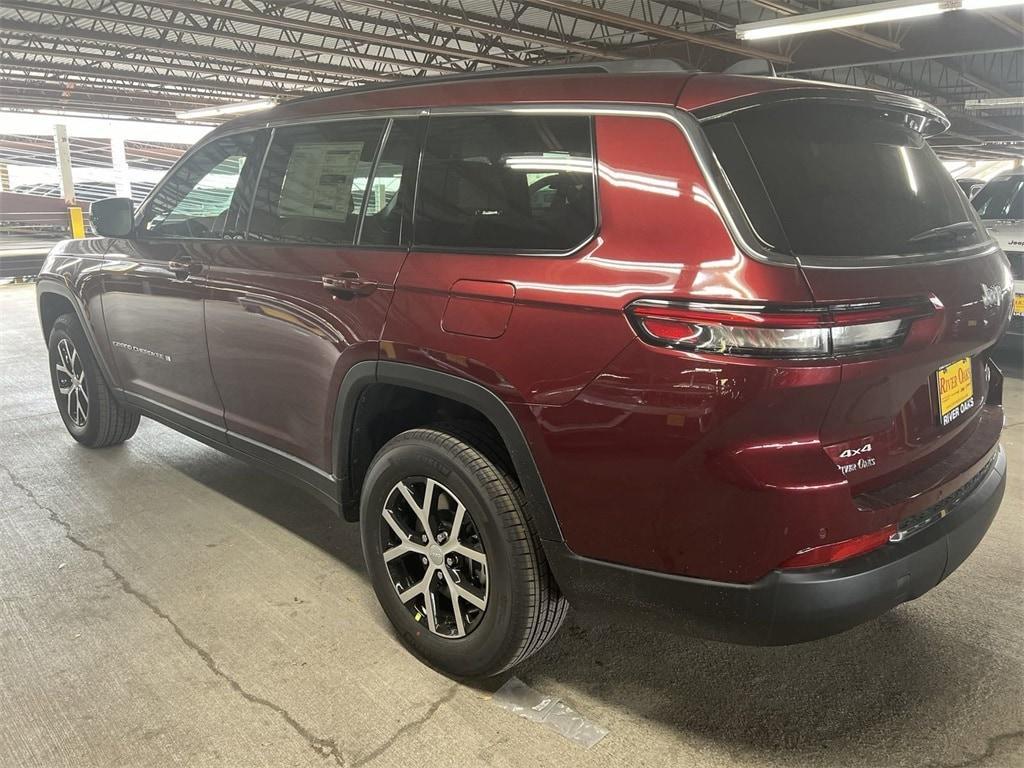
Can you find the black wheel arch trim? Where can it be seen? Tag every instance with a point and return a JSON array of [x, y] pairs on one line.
[[46, 285], [487, 403]]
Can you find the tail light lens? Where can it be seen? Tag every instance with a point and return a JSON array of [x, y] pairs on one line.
[[827, 554], [761, 330]]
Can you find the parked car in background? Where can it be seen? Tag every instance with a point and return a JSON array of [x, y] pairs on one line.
[[970, 186], [706, 351], [1000, 204]]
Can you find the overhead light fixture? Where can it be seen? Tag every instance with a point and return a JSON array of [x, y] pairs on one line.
[[975, 5], [855, 16], [235, 108], [1011, 101]]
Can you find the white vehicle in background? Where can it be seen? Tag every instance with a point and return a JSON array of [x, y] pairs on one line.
[[1000, 204]]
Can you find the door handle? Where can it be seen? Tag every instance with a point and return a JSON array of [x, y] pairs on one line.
[[348, 284], [183, 268]]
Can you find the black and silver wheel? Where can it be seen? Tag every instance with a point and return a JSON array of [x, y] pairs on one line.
[[452, 557], [71, 383], [86, 405], [434, 555]]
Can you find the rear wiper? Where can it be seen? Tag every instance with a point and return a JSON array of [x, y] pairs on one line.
[[954, 231]]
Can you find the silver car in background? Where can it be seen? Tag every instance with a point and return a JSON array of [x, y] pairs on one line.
[[1000, 204]]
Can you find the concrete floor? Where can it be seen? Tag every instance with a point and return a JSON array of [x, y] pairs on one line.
[[162, 604]]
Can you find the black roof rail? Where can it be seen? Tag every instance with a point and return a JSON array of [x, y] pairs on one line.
[[620, 67]]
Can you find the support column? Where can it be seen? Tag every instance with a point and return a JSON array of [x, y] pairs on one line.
[[63, 151], [119, 160]]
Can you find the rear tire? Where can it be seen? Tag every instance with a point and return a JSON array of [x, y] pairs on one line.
[[489, 550], [87, 406]]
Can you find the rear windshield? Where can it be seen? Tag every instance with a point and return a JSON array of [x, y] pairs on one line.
[[1001, 199], [841, 181]]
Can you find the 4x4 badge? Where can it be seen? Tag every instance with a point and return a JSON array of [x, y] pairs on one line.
[[849, 453]]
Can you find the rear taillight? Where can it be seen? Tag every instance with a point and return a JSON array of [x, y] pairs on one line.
[[827, 554], [763, 330]]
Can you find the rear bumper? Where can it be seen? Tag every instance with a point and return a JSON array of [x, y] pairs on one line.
[[788, 606]]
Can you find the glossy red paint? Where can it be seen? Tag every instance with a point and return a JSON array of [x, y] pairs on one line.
[[709, 466], [280, 342]]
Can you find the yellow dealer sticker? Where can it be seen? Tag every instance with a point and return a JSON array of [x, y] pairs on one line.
[[956, 390], [1018, 305]]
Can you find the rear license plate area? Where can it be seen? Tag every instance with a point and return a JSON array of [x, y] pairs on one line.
[[955, 386]]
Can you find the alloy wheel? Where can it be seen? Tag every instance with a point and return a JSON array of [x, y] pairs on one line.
[[71, 382], [434, 556]]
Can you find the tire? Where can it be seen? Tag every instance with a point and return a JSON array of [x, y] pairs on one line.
[[522, 609], [85, 403]]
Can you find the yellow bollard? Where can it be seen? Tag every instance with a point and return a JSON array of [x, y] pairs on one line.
[[77, 222]]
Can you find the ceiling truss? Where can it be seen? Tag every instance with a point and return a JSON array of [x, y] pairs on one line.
[[150, 59]]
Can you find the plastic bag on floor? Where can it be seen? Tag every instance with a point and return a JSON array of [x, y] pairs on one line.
[[519, 698]]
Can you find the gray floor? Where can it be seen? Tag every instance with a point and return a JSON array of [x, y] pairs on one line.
[[162, 604]]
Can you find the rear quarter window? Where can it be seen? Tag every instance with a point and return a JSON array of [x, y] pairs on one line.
[[507, 183]]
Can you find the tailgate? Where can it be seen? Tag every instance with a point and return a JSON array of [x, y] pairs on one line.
[[888, 417]]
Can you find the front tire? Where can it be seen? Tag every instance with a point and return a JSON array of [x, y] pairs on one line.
[[452, 557], [87, 406]]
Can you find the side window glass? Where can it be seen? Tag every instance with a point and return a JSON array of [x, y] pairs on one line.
[[506, 182], [313, 182], [197, 198], [389, 194]]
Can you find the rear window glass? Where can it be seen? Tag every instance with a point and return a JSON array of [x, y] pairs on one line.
[[841, 181], [506, 182], [1001, 199]]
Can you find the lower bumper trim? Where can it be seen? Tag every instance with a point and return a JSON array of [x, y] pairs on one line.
[[787, 606]]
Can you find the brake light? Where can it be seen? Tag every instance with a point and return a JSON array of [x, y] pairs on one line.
[[827, 554], [762, 330]]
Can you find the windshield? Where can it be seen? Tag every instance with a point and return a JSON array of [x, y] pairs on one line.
[[841, 181], [1001, 199]]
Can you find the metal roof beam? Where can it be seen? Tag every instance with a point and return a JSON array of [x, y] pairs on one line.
[[621, 21], [902, 59], [174, 27], [201, 70], [1008, 23], [463, 22], [25, 29], [33, 95], [236, 91], [162, 98], [327, 30]]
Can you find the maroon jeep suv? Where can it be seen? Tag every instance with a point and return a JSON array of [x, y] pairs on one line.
[[705, 350]]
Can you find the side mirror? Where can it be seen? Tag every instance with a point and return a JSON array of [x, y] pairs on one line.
[[113, 216]]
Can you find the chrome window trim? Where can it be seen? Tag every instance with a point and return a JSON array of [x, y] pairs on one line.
[[726, 201]]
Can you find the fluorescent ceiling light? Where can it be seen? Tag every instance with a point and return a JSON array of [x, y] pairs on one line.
[[235, 108], [858, 15], [974, 5], [1012, 101], [836, 19]]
